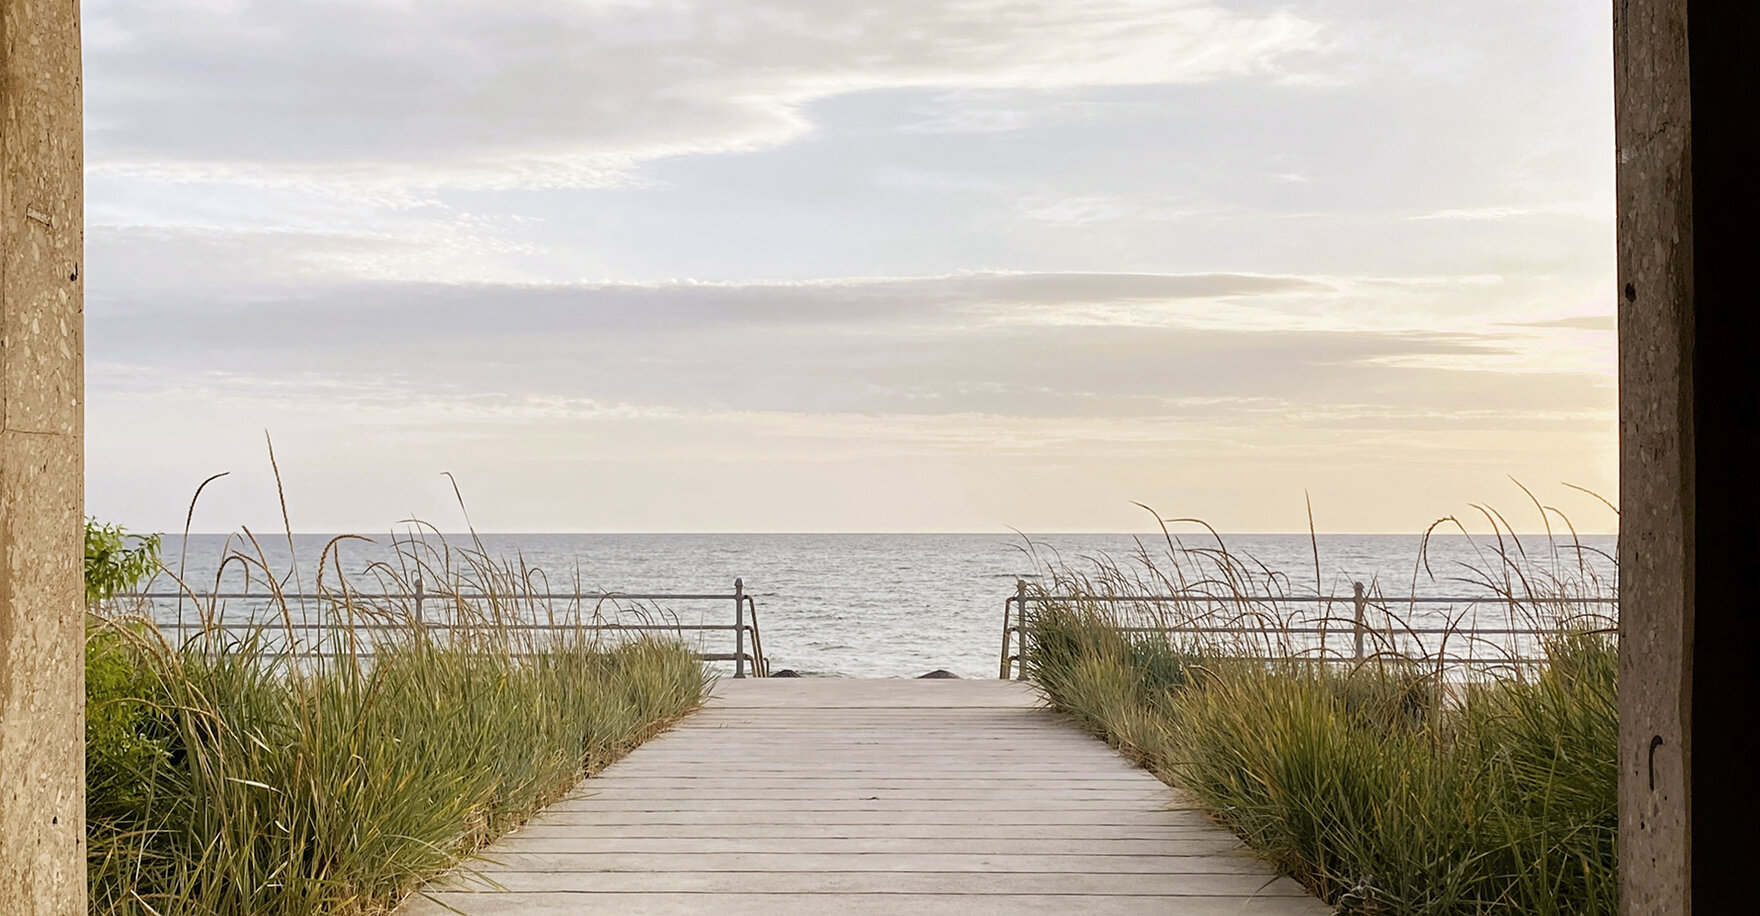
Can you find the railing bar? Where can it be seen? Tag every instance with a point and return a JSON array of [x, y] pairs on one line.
[[430, 595], [309, 653], [431, 625], [1110, 599], [1402, 631], [1380, 604]]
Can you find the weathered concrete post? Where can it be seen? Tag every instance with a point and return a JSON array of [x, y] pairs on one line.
[[42, 695], [1653, 111]]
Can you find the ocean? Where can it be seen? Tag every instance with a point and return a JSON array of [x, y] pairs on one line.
[[896, 605]]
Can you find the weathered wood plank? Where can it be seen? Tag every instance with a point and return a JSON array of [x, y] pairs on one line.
[[777, 805], [736, 903], [1073, 833], [1196, 842], [786, 778], [1184, 857], [875, 793], [1168, 885], [1003, 820]]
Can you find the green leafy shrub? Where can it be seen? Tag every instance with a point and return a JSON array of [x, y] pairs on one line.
[[116, 561]]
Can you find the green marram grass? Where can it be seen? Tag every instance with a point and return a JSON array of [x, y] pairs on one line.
[[1393, 786], [227, 776]]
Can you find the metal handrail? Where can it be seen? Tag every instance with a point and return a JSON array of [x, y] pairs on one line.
[[1015, 628], [1199, 597], [760, 664], [420, 597]]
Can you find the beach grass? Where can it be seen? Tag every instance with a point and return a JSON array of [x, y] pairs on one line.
[[334, 754], [1402, 783]]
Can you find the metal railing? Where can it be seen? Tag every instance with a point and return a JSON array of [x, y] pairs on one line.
[[1313, 633], [419, 603]]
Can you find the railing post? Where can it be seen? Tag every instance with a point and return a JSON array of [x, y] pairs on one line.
[[1020, 629], [1361, 603], [739, 628], [1006, 668]]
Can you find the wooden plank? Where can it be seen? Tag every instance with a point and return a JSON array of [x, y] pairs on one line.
[[1073, 833], [1002, 821], [874, 882], [779, 805], [1205, 857], [1197, 842], [694, 780], [737, 903], [927, 768], [1136, 795]]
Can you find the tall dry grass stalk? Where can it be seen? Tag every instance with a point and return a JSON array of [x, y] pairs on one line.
[[1404, 783], [334, 753]]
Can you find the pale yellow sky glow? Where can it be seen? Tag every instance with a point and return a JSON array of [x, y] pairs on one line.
[[773, 266]]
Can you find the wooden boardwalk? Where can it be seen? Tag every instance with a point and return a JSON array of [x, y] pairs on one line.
[[858, 797]]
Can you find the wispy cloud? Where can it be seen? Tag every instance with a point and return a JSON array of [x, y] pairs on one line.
[[1094, 209], [1028, 345], [1573, 323], [1506, 213], [465, 94]]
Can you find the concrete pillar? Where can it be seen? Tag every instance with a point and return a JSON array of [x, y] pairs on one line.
[[1684, 84], [42, 692], [1653, 112]]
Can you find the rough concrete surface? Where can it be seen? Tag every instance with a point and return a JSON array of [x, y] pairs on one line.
[[42, 697], [1652, 100]]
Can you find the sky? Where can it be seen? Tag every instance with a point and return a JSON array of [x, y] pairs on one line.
[[800, 265]]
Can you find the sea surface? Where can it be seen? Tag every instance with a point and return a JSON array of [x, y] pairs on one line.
[[898, 605]]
